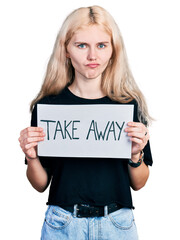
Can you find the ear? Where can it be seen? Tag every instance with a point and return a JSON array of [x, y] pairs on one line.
[[67, 55]]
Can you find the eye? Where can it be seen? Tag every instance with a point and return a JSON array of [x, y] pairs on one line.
[[101, 45], [82, 45]]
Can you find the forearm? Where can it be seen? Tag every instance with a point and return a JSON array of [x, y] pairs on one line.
[[139, 175], [37, 175]]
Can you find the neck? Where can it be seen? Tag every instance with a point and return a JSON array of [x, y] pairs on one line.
[[87, 88]]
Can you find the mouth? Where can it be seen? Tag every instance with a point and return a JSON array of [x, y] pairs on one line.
[[92, 65]]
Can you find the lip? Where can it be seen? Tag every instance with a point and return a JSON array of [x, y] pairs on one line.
[[92, 65]]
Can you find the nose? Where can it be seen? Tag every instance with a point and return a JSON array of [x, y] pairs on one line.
[[92, 56]]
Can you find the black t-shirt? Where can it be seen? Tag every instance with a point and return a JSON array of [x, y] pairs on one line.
[[93, 181]]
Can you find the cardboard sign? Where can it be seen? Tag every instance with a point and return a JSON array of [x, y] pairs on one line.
[[85, 130]]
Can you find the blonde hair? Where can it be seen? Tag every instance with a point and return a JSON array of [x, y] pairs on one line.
[[117, 80]]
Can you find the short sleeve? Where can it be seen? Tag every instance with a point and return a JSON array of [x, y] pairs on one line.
[[45, 161], [147, 149], [147, 154], [34, 117]]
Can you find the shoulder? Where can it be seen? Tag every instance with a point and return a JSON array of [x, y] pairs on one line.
[[136, 110], [132, 102], [54, 99]]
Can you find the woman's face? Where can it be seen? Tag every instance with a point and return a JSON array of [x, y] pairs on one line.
[[90, 50]]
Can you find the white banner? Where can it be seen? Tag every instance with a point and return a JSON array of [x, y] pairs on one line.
[[85, 130]]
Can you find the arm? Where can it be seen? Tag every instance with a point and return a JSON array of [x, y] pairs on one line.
[[139, 175], [36, 174], [139, 137]]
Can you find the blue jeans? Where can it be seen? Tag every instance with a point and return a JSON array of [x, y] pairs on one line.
[[62, 224]]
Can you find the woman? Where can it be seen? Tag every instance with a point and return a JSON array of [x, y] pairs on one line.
[[89, 197]]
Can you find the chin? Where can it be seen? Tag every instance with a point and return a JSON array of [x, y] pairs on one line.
[[92, 76]]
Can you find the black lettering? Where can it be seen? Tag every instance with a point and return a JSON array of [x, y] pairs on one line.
[[58, 129], [74, 128], [111, 130], [100, 134], [65, 129], [48, 121], [120, 129], [92, 128]]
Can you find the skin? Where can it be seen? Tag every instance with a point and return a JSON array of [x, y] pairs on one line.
[[90, 51]]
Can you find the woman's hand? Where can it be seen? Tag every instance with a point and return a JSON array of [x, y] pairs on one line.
[[29, 138], [139, 136]]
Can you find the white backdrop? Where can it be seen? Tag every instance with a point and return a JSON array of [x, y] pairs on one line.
[[150, 29]]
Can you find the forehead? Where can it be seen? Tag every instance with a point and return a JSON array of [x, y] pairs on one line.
[[93, 33]]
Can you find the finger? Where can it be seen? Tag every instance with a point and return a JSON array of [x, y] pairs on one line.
[[137, 140], [137, 127], [30, 142], [31, 153], [31, 129], [137, 135], [147, 136], [29, 148], [30, 145], [32, 136], [135, 124], [29, 134], [132, 129], [33, 139], [140, 138]]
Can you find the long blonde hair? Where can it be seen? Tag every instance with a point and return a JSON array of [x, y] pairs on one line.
[[117, 80]]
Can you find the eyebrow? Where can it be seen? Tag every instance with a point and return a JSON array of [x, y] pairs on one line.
[[79, 42]]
